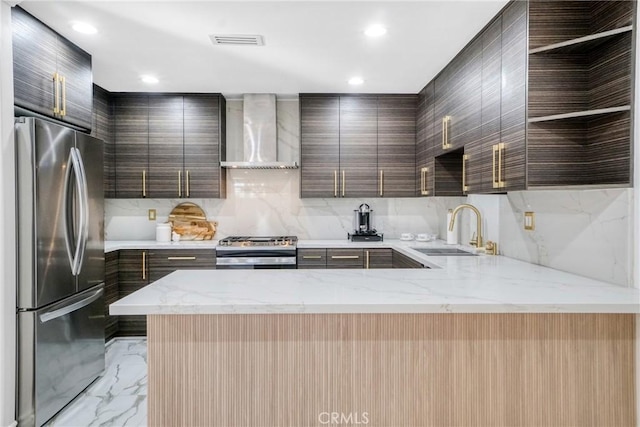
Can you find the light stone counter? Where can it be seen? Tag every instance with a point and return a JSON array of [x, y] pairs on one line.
[[115, 245], [471, 284]]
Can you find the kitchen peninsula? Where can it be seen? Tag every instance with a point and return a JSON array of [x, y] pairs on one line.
[[476, 340]]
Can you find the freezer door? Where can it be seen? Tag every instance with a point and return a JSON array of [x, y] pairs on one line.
[[60, 352], [91, 263], [44, 231]]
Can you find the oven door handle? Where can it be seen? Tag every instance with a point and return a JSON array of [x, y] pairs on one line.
[[288, 260]]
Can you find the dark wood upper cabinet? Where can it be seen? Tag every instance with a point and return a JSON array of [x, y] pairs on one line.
[[102, 128], [204, 146], [358, 146], [169, 146], [166, 165], [52, 76], [425, 140], [131, 124], [319, 145], [510, 169], [397, 145]]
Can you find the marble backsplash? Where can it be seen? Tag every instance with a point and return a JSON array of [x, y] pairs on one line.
[[587, 232], [267, 202]]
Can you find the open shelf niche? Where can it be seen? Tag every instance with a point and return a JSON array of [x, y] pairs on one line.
[[579, 103]]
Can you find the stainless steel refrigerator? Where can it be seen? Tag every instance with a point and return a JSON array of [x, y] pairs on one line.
[[60, 303]]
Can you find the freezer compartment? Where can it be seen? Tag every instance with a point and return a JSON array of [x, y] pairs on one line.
[[60, 352]]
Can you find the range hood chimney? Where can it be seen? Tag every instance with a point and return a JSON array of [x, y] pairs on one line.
[[260, 135]]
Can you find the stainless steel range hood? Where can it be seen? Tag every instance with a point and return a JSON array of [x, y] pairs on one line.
[[260, 135]]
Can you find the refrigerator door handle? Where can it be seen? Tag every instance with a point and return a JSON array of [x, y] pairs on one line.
[[66, 207], [84, 212], [54, 314]]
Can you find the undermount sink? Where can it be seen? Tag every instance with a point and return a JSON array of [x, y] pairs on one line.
[[444, 252]]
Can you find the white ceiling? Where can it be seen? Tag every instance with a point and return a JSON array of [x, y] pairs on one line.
[[310, 46]]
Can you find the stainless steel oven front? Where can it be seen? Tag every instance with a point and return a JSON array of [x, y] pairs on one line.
[[255, 258]]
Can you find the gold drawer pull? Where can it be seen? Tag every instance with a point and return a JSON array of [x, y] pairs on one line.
[[144, 183], [367, 261], [345, 256], [465, 187], [311, 256], [144, 266], [188, 185], [181, 258]]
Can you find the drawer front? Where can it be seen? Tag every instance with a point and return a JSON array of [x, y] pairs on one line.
[[378, 258], [312, 258], [345, 258], [165, 261], [403, 261]]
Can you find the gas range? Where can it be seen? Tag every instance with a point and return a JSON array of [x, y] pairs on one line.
[[256, 252], [250, 242]]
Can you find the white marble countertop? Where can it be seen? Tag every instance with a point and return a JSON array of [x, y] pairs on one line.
[[471, 284], [115, 245]]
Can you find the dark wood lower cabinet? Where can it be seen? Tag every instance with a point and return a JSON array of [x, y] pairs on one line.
[[130, 270], [354, 258], [111, 293], [403, 261], [166, 261], [312, 258], [378, 258], [133, 274], [345, 258]]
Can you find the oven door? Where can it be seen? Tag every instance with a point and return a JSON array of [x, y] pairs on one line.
[[255, 262]]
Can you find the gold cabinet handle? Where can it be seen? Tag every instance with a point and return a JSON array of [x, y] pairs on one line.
[[56, 93], [367, 259], [465, 188], [425, 172], [335, 183], [179, 183], [311, 256], [381, 183], [501, 182], [181, 258], [63, 110], [144, 265], [345, 256], [445, 132], [188, 185], [144, 183], [344, 181]]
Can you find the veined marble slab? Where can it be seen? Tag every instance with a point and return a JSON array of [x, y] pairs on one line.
[[110, 246], [476, 284]]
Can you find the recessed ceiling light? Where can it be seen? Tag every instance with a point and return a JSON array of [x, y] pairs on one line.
[[376, 30], [356, 81], [149, 79], [84, 28]]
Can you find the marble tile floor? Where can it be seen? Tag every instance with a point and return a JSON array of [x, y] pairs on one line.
[[118, 398]]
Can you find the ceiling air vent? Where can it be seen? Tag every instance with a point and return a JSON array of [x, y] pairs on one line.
[[237, 39]]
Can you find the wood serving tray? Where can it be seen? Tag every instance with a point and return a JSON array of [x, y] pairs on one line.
[[190, 222]]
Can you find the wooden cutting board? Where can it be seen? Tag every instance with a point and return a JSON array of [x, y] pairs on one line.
[[190, 222]]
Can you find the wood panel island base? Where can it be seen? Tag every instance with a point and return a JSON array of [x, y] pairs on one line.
[[391, 370]]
